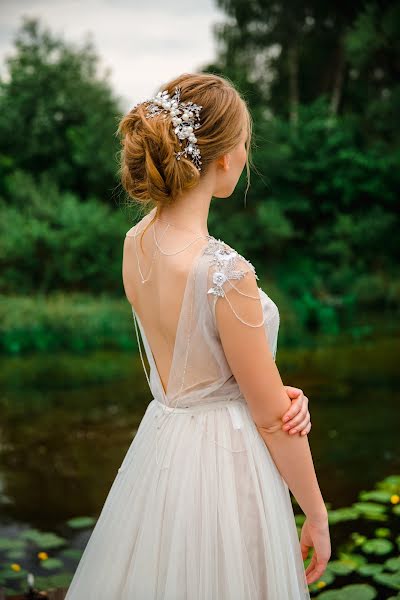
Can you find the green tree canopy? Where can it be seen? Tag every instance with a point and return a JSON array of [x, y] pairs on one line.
[[58, 115]]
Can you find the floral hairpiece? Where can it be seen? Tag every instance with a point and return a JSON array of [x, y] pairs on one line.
[[185, 118]]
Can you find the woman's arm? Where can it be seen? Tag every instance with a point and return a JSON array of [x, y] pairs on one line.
[[249, 356]]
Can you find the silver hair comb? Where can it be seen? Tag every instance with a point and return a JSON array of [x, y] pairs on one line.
[[185, 119]]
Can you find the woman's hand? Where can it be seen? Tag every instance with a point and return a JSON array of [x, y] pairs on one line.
[[315, 534], [297, 418]]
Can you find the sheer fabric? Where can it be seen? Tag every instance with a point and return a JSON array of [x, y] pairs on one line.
[[198, 509]]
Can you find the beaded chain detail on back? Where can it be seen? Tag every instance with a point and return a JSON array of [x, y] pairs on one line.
[[165, 391], [222, 256]]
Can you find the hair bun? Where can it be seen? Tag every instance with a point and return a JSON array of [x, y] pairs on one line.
[[149, 169]]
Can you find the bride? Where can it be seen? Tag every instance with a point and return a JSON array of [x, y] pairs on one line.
[[200, 507]]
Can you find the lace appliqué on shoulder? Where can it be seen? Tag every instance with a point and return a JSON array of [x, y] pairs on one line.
[[224, 258]]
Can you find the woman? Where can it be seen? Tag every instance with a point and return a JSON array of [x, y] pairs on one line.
[[200, 508]]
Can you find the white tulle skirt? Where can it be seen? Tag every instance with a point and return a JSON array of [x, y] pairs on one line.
[[197, 511]]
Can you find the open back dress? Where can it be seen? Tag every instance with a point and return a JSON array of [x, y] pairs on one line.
[[198, 509]]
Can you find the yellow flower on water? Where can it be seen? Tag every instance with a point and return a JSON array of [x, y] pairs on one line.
[[15, 567], [394, 499], [321, 584], [43, 555]]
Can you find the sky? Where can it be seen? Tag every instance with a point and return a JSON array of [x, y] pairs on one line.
[[142, 43]]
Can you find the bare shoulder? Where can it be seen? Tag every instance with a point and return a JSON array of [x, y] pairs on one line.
[[140, 225]]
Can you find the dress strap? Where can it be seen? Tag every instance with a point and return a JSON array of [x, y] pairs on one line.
[[139, 346], [226, 266]]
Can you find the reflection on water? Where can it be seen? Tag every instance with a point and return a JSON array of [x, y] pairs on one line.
[[67, 421]]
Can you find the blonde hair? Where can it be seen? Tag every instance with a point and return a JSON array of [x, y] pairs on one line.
[[149, 171]]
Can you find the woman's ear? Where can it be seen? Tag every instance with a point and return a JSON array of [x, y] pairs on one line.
[[224, 161]]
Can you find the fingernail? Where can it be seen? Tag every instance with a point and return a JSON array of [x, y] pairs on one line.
[[294, 431], [286, 418]]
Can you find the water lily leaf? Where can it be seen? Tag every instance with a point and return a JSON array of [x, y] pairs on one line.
[[377, 546], [396, 509], [11, 543], [370, 569], [327, 578], [53, 581], [52, 563], [371, 511], [46, 539], [370, 507], [342, 514], [393, 564], [392, 480], [22, 574], [358, 539], [81, 522], [16, 554], [357, 591], [72, 553], [390, 580], [354, 560], [376, 495], [340, 567], [383, 532]]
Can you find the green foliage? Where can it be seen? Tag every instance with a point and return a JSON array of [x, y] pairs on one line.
[[81, 522], [57, 115], [50, 240], [321, 220], [74, 322]]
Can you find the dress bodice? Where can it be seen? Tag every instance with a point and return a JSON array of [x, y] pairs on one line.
[[199, 370]]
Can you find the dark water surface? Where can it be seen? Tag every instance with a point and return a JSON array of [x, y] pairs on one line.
[[67, 421]]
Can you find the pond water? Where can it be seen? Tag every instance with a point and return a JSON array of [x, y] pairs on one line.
[[67, 421]]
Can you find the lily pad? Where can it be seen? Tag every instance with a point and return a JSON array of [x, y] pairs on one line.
[[358, 591], [370, 569], [371, 511], [340, 567], [342, 514], [393, 564], [377, 546], [11, 543], [81, 522], [375, 495], [390, 580], [72, 553], [354, 560], [61, 580], [52, 563], [393, 481], [16, 554], [45, 539], [326, 578]]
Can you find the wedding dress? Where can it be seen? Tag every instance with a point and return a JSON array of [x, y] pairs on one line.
[[198, 509]]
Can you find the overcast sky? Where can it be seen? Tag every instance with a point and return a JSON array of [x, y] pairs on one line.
[[143, 43]]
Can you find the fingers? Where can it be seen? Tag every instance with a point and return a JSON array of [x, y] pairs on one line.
[[311, 564], [315, 569], [301, 419], [293, 392], [295, 407], [299, 422], [304, 550], [307, 429]]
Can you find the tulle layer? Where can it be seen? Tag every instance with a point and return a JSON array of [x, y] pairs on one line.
[[213, 520]]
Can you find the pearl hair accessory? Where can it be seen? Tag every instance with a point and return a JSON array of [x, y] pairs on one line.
[[185, 118]]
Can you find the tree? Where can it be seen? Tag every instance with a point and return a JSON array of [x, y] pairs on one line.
[[57, 114]]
